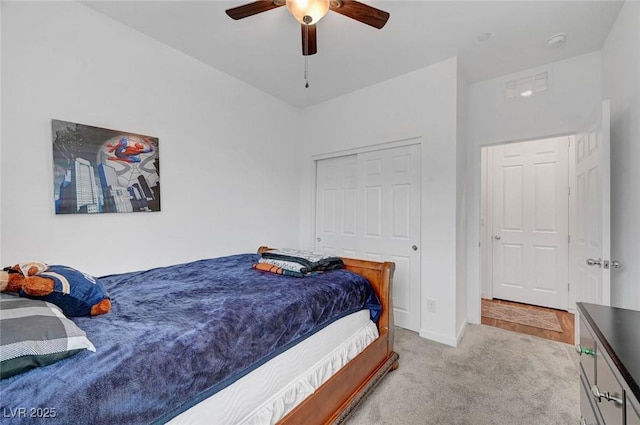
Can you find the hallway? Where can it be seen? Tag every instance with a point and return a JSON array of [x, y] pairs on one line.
[[564, 319]]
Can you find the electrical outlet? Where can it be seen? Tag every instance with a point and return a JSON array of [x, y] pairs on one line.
[[431, 306]]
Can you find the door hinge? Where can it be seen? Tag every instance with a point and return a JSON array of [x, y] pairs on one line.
[[568, 238], [568, 286]]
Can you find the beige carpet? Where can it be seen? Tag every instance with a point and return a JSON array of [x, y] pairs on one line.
[[494, 377], [522, 315]]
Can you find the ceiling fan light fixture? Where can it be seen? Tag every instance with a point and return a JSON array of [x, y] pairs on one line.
[[308, 12]]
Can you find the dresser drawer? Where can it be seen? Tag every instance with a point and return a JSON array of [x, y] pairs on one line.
[[588, 415], [587, 350], [633, 417], [611, 402], [609, 364]]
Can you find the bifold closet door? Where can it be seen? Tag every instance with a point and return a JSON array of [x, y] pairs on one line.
[[368, 206], [336, 209]]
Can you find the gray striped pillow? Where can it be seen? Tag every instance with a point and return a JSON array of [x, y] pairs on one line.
[[35, 333]]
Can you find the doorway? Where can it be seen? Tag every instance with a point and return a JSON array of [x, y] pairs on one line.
[[589, 260], [526, 226]]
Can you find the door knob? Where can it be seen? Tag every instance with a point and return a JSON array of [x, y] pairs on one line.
[[319, 239], [592, 262], [414, 247], [615, 264], [497, 237]]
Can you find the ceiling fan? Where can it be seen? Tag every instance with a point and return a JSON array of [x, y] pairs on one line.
[[309, 12]]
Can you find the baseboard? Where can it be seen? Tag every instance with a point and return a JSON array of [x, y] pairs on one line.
[[439, 338], [461, 332]]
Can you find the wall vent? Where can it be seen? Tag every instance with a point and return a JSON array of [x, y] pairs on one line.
[[528, 86]]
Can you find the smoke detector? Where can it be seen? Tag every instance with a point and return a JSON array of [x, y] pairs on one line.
[[556, 40]]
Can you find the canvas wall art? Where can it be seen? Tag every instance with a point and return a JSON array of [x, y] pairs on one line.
[[97, 170]]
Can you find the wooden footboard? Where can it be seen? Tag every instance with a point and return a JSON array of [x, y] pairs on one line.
[[336, 398]]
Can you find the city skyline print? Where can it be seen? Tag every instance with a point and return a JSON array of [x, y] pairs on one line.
[[98, 170]]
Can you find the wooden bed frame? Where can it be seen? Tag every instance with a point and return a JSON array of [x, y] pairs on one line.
[[339, 396]]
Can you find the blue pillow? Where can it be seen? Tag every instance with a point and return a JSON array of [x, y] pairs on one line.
[[74, 292]]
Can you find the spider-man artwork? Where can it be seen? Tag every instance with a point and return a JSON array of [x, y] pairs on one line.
[[97, 170], [123, 151]]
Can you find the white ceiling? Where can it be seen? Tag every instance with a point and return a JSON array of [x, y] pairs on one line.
[[264, 50]]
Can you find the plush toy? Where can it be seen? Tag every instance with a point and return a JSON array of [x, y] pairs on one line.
[[76, 293]]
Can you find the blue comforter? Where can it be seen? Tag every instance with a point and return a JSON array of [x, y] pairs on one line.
[[177, 335]]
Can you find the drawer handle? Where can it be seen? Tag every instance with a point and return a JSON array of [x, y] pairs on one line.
[[584, 350], [606, 395]]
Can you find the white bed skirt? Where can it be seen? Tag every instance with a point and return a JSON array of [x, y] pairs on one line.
[[268, 393]]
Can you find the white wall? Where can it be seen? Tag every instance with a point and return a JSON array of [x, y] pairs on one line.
[[462, 184], [621, 84], [421, 104], [575, 93], [222, 145]]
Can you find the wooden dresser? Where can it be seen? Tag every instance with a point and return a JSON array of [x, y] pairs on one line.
[[609, 365]]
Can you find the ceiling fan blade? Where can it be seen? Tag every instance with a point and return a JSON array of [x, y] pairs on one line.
[[254, 8], [360, 12], [309, 40]]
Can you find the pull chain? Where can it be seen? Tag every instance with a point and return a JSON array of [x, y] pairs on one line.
[[306, 72], [306, 57]]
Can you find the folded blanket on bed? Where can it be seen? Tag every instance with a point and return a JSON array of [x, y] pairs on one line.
[[266, 267], [286, 265], [310, 261]]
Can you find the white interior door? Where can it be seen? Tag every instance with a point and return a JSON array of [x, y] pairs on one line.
[[368, 206], [530, 222], [592, 227]]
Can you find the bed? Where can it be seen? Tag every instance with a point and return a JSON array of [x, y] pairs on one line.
[[168, 352]]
